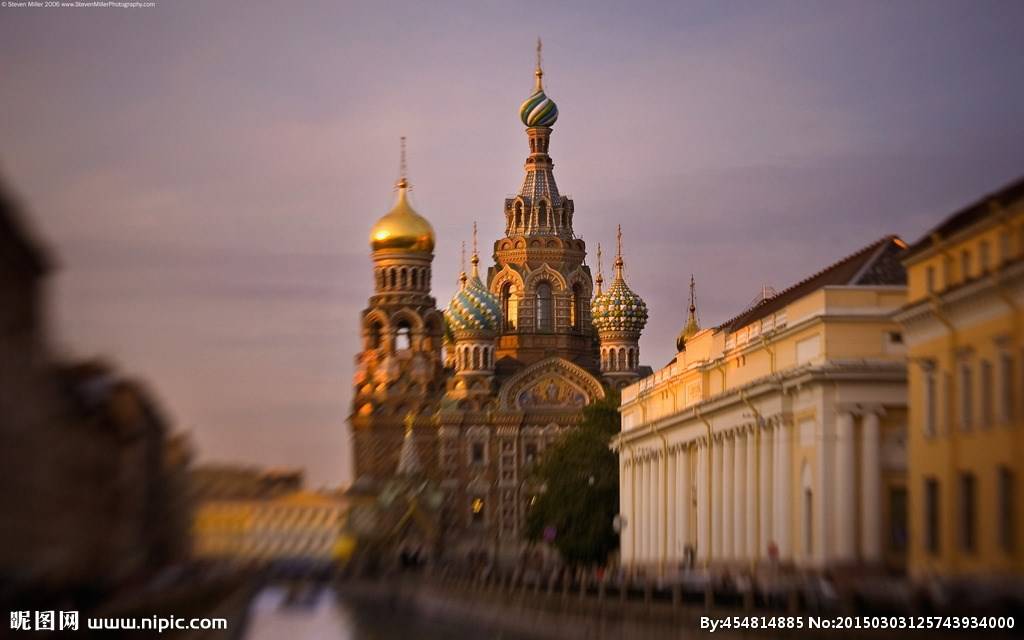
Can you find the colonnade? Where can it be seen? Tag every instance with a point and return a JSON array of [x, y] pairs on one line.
[[736, 495]]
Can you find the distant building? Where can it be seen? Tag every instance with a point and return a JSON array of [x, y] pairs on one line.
[[302, 527], [964, 329], [779, 436], [239, 482]]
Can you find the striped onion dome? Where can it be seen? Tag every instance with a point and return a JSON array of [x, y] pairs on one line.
[[619, 309], [539, 110], [473, 308]]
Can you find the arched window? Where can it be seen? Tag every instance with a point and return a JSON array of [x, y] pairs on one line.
[[391, 278], [544, 307], [622, 359], [373, 335], [415, 278], [476, 358], [403, 337], [509, 305], [519, 214], [403, 278], [542, 215], [576, 310]]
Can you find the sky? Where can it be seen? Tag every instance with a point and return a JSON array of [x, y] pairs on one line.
[[207, 173]]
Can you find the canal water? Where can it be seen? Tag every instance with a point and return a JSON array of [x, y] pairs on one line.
[[324, 616]]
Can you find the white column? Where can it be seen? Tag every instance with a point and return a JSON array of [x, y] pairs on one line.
[[650, 521], [870, 493], [640, 532], [751, 499], [728, 495], [683, 501], [659, 507], [716, 500], [625, 549], [767, 506], [845, 491], [670, 511], [703, 507], [785, 492], [739, 540]]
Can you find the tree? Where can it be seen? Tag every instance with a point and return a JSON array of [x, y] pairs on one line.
[[579, 481]]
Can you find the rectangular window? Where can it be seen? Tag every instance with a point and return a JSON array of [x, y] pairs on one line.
[[530, 453], [1006, 509], [965, 265], [1007, 387], [987, 395], [931, 515], [966, 396], [983, 256], [968, 512], [898, 519], [930, 279], [477, 452], [1004, 248], [929, 403]]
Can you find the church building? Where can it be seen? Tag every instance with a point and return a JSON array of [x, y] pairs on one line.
[[483, 387]]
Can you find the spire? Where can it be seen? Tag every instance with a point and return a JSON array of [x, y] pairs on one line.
[[692, 326], [403, 183], [618, 256], [408, 461], [475, 260], [462, 263], [600, 269], [539, 72]]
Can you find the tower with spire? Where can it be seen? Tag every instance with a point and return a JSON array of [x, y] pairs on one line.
[[399, 371], [619, 317], [539, 276], [473, 317]]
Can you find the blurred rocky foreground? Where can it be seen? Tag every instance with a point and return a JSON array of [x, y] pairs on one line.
[[94, 508]]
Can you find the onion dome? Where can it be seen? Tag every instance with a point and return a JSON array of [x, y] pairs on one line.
[[473, 308], [538, 110], [619, 309], [402, 229]]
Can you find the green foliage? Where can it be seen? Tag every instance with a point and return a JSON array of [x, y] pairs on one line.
[[580, 479]]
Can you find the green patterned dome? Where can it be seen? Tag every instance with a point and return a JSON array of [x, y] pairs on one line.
[[619, 310], [538, 110], [473, 308]]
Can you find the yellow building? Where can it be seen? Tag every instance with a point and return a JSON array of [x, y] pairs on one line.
[[962, 325], [779, 435], [300, 526]]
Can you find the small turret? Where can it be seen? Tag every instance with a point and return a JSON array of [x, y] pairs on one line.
[[619, 316]]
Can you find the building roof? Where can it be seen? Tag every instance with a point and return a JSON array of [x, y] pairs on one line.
[[879, 263], [969, 215]]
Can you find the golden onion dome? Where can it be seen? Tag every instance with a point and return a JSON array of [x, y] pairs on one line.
[[402, 229]]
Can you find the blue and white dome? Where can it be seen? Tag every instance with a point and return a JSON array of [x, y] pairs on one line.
[[473, 308]]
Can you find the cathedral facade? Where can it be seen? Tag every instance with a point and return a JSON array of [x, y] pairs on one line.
[[483, 387]]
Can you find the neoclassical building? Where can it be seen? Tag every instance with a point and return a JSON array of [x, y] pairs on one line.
[[778, 436], [493, 380], [964, 328]]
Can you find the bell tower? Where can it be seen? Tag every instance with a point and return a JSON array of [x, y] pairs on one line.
[[539, 278], [399, 373]]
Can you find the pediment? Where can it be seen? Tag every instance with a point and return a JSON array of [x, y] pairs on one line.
[[551, 384]]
